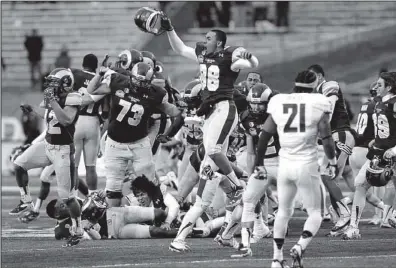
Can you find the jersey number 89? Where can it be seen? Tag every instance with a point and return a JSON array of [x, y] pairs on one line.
[[209, 76], [381, 126], [137, 110]]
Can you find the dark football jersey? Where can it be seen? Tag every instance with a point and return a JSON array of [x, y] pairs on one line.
[[58, 134], [253, 126], [216, 76], [131, 109], [365, 125], [340, 118], [384, 118], [81, 81]]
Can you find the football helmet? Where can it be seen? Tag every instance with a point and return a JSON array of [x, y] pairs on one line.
[[191, 95], [379, 172], [61, 80], [159, 67], [149, 20], [149, 58], [94, 207], [128, 58], [258, 98]]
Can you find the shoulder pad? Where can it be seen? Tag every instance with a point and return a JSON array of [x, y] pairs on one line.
[[330, 88], [73, 99], [159, 94]]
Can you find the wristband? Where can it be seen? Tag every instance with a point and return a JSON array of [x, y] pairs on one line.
[[333, 161]]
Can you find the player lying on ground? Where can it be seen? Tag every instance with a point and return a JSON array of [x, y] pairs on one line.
[[101, 222]]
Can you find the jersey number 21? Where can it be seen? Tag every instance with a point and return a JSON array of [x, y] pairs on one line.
[[293, 109]]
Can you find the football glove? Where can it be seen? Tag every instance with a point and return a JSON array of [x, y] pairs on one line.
[[163, 138], [26, 108], [166, 23]]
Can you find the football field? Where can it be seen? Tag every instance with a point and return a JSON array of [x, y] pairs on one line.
[[33, 245]]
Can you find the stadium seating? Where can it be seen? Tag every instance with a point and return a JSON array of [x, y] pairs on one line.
[[84, 27], [318, 26]]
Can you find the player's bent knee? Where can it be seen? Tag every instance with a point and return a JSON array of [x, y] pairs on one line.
[[285, 213]]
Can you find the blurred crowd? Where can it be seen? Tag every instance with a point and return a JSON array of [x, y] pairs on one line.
[[242, 14]]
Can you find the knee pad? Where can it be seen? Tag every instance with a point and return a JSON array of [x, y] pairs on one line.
[[113, 195], [285, 213], [19, 170]]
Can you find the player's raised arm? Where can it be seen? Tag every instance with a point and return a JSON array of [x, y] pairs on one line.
[[243, 59], [176, 43]]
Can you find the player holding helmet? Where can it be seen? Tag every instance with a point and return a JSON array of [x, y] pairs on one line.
[[134, 100], [219, 68], [379, 166], [57, 148]]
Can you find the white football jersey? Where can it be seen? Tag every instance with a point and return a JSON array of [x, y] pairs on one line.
[[297, 116]]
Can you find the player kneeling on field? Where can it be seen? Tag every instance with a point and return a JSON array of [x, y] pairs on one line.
[[99, 221]]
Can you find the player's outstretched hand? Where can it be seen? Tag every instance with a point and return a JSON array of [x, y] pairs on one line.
[[166, 23], [165, 226], [389, 154]]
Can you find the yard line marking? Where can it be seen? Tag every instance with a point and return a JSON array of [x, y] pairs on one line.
[[233, 260], [107, 246]]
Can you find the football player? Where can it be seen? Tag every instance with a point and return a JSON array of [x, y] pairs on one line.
[[378, 168], [101, 222], [365, 131], [251, 79], [134, 100], [252, 121], [345, 141], [219, 68], [191, 132], [57, 148], [87, 135], [298, 118]]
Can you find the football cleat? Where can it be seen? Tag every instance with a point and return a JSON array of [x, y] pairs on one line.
[[296, 253], [232, 242], [29, 216], [72, 241], [245, 252], [385, 224], [22, 207], [179, 246], [375, 220], [279, 264], [340, 227], [351, 233], [257, 236], [392, 221]]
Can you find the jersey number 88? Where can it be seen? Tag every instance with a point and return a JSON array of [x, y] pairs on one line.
[[209, 76]]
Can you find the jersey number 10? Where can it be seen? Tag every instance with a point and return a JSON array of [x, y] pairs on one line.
[[295, 109]]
